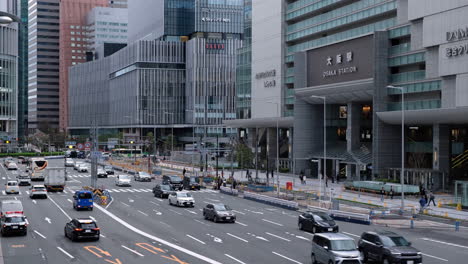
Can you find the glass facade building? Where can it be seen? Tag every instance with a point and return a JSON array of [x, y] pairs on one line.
[[23, 71], [244, 67]]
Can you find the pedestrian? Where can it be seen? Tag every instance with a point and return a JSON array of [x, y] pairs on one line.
[[272, 176], [382, 193], [391, 192], [326, 181], [234, 183], [304, 179], [431, 198], [183, 172], [422, 203], [247, 173]]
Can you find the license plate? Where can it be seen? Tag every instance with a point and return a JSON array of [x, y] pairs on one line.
[[14, 227], [87, 231], [227, 218], [410, 262], [330, 229]]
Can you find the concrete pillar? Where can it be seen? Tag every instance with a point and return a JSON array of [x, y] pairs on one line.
[[319, 168], [349, 171], [353, 126], [358, 173], [337, 169], [271, 142], [441, 153]]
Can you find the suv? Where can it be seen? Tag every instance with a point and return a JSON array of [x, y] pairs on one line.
[[101, 173], [82, 228], [388, 247], [317, 222], [181, 199], [162, 190], [24, 179], [109, 170], [334, 248], [38, 190], [190, 183], [173, 180], [219, 213], [13, 223], [142, 176]]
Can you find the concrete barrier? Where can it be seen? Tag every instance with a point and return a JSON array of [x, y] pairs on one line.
[[350, 217], [229, 191], [290, 205]]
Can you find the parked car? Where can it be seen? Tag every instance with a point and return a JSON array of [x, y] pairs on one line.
[[317, 222], [181, 199], [101, 173], [69, 163], [82, 168], [11, 187], [191, 183], [122, 180], [13, 224], [24, 179], [142, 176], [334, 248], [83, 199], [109, 170], [38, 191], [388, 247], [82, 228], [162, 190], [174, 180], [219, 213], [12, 166]]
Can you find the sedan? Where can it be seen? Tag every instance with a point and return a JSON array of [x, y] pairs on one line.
[[181, 199], [317, 222], [101, 173], [82, 168], [69, 163], [219, 213], [109, 170], [82, 228], [162, 190]]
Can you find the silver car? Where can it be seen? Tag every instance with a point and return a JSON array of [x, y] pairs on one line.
[[334, 248]]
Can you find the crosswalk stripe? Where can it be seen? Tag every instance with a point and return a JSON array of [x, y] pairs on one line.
[[123, 190], [136, 190], [115, 190], [146, 190]]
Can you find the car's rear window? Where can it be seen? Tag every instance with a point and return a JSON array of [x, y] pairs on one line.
[[12, 183], [84, 196], [16, 219], [88, 226], [39, 188]]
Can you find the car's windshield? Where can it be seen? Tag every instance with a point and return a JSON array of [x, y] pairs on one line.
[[15, 219], [343, 245], [108, 168], [221, 207], [175, 178], [124, 177], [145, 174], [394, 241], [84, 196], [166, 187], [193, 180], [322, 217], [184, 195]]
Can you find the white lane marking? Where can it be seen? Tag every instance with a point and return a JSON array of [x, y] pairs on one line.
[[273, 235], [41, 235], [164, 224], [115, 190], [136, 190], [271, 222], [290, 259], [190, 211], [242, 224], [201, 222], [351, 234], [34, 201], [109, 203], [92, 218], [3, 192], [196, 239], [16, 198], [434, 257], [254, 212], [47, 220], [102, 235], [125, 204], [233, 258], [69, 200], [157, 212], [65, 191], [134, 251], [175, 212], [27, 192], [238, 212], [3, 178], [442, 242], [214, 200], [304, 238], [241, 239], [161, 200], [69, 218], [66, 253], [145, 214], [154, 203]]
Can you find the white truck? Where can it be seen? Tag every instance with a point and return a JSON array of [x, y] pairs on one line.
[[55, 179]]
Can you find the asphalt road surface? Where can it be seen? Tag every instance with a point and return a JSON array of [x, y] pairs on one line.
[[139, 228]]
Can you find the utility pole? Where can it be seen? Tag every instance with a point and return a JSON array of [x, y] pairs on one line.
[[217, 153], [94, 150]]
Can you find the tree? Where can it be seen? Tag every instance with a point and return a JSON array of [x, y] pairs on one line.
[[244, 155], [150, 138], [170, 141]]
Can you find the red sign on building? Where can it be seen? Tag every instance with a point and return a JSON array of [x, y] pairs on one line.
[[214, 46]]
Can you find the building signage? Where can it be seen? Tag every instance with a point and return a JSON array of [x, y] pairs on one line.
[[217, 11], [214, 46], [211, 19], [459, 34], [265, 75], [457, 49], [338, 60]]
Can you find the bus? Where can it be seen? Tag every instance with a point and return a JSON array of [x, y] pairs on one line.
[[38, 166], [126, 152]]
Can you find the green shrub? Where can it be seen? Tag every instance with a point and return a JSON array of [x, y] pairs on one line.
[[283, 170], [31, 154]]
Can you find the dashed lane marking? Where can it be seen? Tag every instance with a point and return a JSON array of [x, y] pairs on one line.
[[238, 212], [427, 255], [145, 214], [196, 239], [41, 235], [233, 258], [133, 251], [241, 239], [271, 222], [290, 259], [242, 224], [445, 243], [273, 235], [66, 253], [351, 234]]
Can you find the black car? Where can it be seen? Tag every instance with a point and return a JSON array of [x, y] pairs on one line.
[[191, 183], [82, 228], [317, 222], [219, 213], [173, 180], [387, 247], [162, 190], [109, 170], [13, 224]]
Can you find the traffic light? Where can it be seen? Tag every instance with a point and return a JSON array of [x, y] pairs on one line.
[[70, 146], [132, 142], [7, 141]]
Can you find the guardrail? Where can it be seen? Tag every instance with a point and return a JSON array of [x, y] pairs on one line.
[[350, 217], [290, 205], [229, 191]]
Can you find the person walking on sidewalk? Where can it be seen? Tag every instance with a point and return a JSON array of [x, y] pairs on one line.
[[304, 179], [382, 194], [183, 172], [391, 192], [422, 203], [431, 198], [301, 177]]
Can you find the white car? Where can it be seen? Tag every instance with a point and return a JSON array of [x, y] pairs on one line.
[[122, 180], [101, 173], [38, 191], [142, 176], [181, 199], [11, 187], [12, 166], [82, 168], [77, 165], [69, 163]]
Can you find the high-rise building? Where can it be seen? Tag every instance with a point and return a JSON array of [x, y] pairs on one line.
[[9, 30], [23, 71], [43, 64], [244, 67], [73, 43]]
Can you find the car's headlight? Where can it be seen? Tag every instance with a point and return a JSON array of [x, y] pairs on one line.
[[396, 253], [419, 253]]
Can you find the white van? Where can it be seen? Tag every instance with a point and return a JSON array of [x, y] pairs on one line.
[[11, 187], [11, 207]]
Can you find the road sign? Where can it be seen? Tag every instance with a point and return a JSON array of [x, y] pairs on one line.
[[80, 146], [96, 154], [68, 143], [87, 146]]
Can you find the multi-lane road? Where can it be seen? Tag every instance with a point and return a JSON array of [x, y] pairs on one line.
[[139, 228]]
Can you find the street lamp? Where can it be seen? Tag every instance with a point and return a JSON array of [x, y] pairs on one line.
[[172, 135], [193, 138], [277, 145], [324, 140], [402, 175]]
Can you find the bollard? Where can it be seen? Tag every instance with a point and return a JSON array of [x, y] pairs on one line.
[[412, 223], [457, 225], [445, 214], [385, 204], [459, 207], [439, 204]]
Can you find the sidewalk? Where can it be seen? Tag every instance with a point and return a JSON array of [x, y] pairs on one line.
[[338, 191]]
